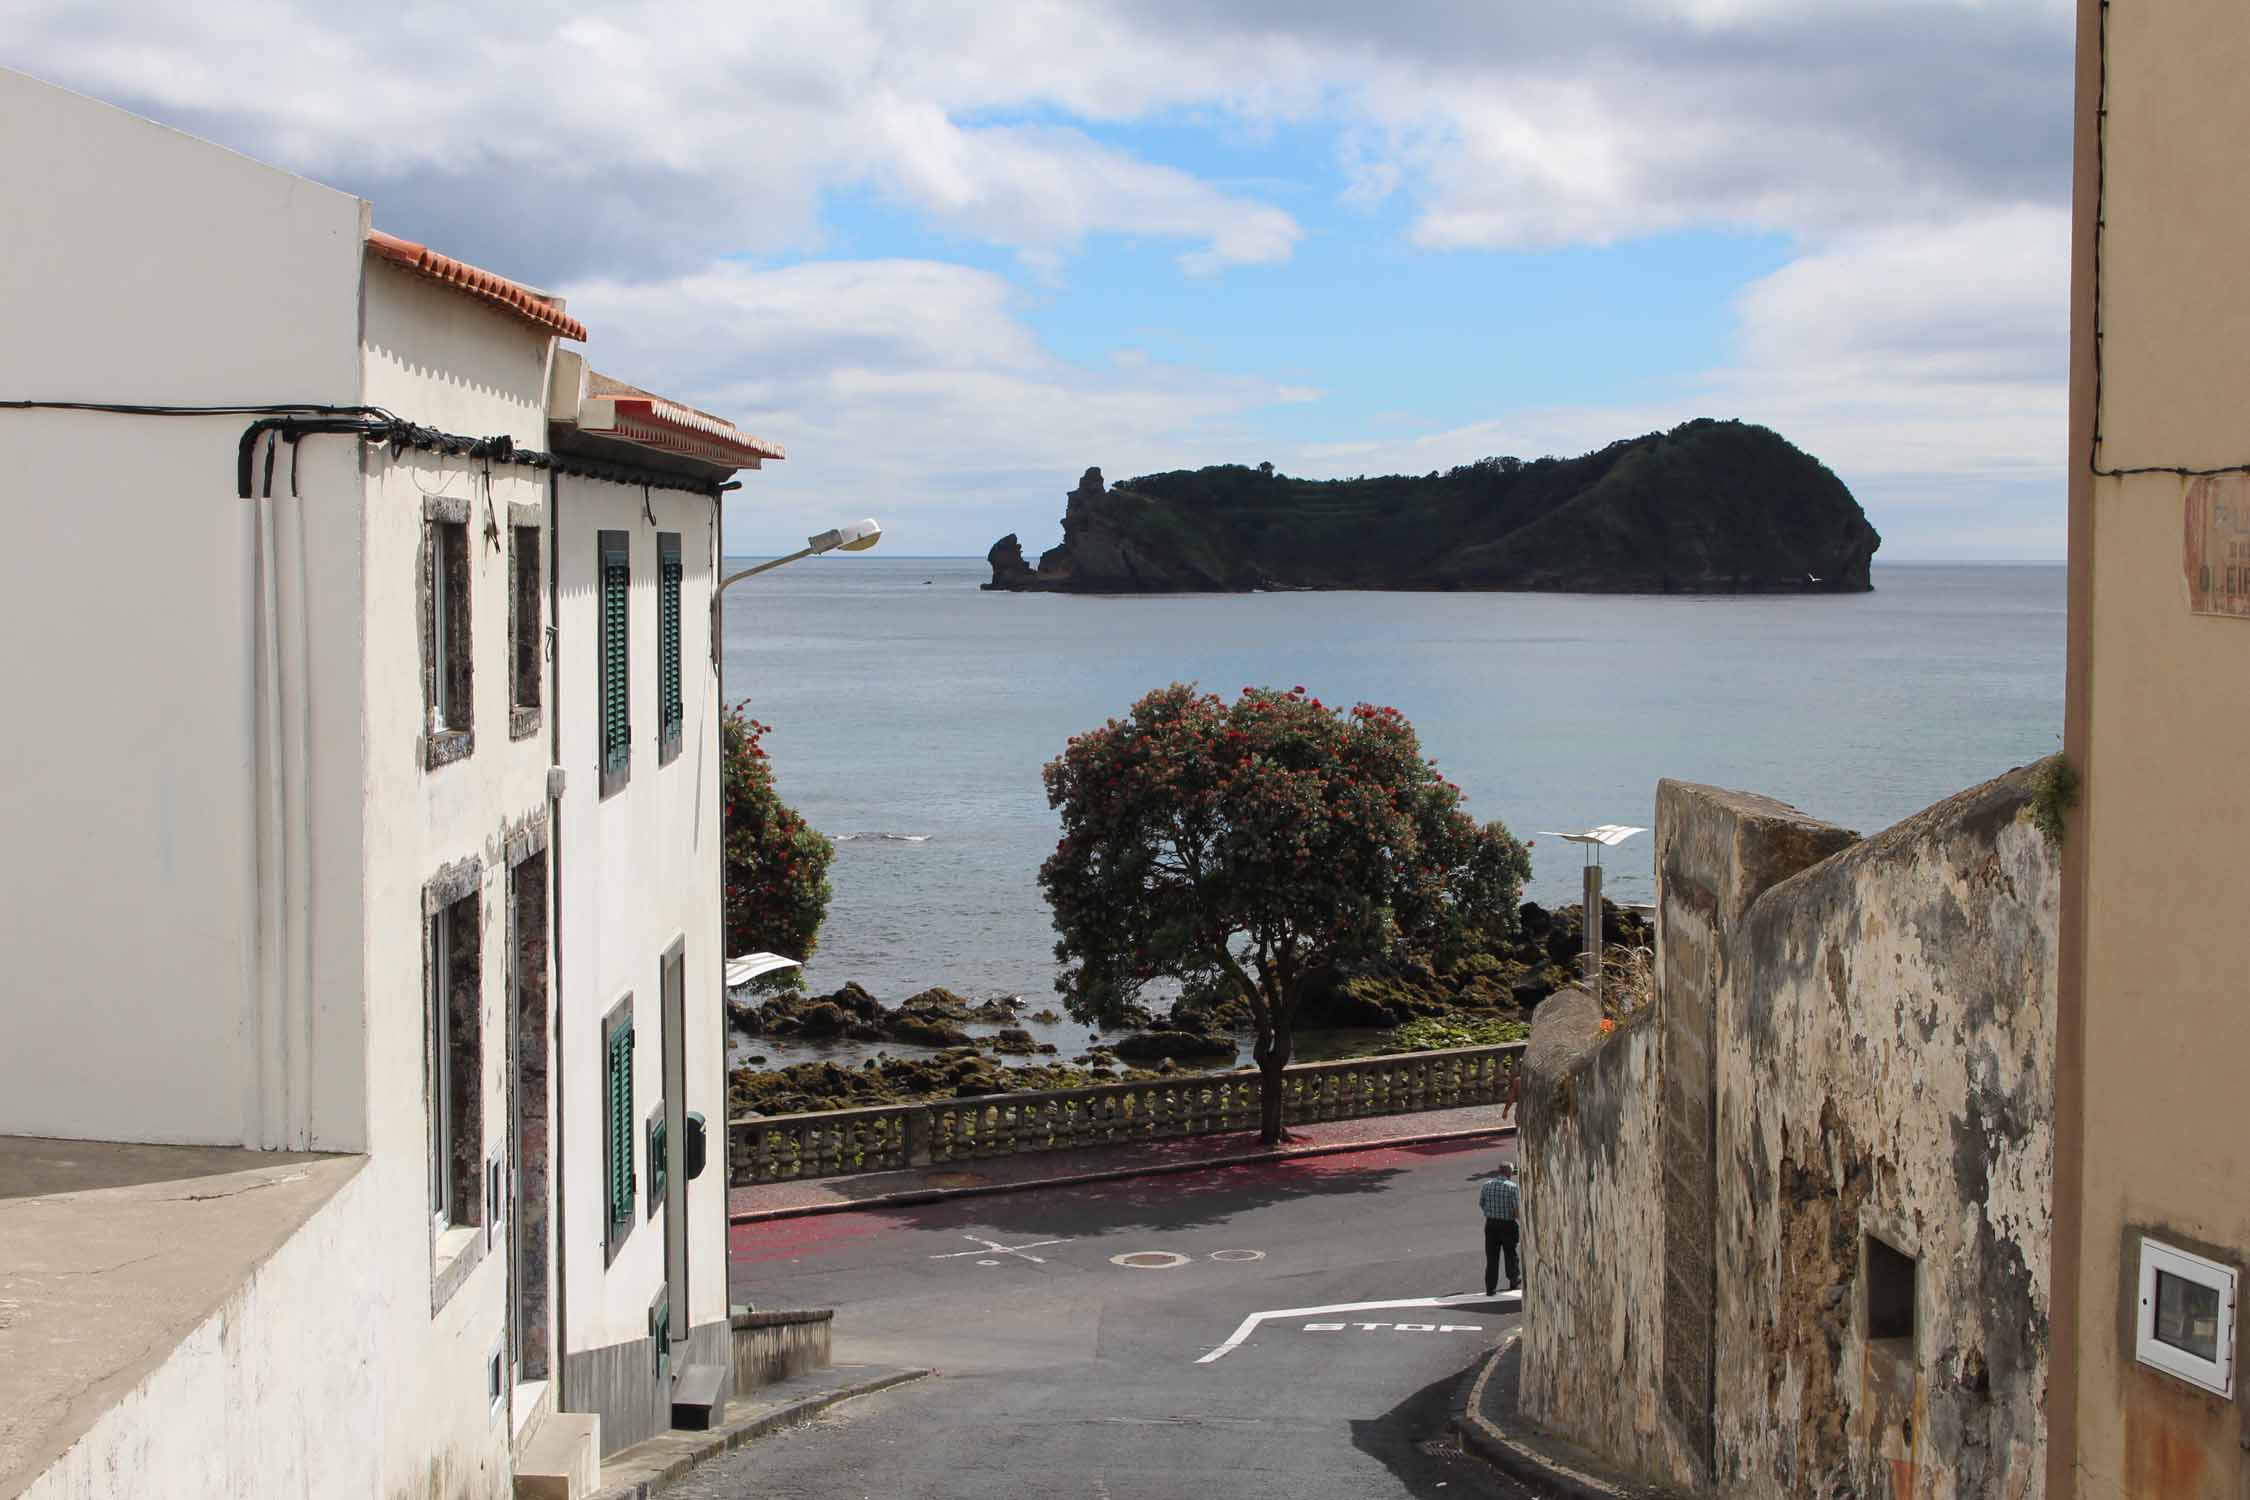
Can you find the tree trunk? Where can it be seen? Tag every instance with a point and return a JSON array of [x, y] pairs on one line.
[[1272, 1055]]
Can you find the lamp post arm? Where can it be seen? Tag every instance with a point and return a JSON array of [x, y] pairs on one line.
[[734, 578]]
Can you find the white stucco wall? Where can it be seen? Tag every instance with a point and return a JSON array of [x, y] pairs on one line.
[[144, 266], [442, 360], [640, 871]]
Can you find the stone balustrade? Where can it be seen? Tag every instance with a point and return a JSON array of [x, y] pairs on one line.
[[835, 1142]]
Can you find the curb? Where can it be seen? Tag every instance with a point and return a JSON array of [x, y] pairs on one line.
[[1540, 1474], [733, 1437], [1109, 1174]]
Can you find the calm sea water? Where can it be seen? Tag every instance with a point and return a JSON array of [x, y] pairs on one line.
[[912, 713]]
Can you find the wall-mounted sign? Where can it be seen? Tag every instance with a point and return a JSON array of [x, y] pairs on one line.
[[2217, 545]]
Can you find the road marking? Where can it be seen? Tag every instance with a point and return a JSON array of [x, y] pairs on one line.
[[994, 1247], [1243, 1330], [1238, 1255], [1149, 1260]]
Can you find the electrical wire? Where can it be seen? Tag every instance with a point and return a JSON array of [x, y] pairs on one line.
[[293, 421]]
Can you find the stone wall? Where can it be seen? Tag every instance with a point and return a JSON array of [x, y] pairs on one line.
[[1851, 1094], [1590, 1145], [769, 1347]]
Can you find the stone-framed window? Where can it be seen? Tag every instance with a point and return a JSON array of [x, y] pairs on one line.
[[615, 638], [448, 678], [618, 1144], [527, 634], [453, 1072], [531, 1126], [671, 706]]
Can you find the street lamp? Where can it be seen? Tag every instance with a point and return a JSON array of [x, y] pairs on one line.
[[857, 537], [1596, 839]]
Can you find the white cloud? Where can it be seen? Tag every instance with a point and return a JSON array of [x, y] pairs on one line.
[[1914, 152], [665, 133], [1923, 363], [908, 389]]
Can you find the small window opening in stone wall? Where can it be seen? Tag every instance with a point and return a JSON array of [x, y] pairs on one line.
[[449, 684], [524, 615], [1890, 1281], [456, 1067]]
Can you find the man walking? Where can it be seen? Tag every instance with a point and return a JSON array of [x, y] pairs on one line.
[[1500, 1199]]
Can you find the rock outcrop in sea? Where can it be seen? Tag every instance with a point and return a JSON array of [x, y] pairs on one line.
[[1709, 507]]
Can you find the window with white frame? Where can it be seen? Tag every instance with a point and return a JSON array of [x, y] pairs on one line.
[[2185, 1317]]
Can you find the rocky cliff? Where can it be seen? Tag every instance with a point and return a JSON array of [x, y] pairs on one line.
[[1709, 507]]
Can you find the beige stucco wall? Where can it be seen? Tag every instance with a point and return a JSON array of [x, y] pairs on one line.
[[144, 266], [2167, 700]]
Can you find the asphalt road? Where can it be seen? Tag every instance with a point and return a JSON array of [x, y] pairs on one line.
[[1066, 1372]]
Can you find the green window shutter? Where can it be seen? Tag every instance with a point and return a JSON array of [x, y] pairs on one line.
[[616, 635], [669, 573], [621, 1177]]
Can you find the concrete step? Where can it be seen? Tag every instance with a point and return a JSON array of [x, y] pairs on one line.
[[528, 1405], [562, 1458], [699, 1399]]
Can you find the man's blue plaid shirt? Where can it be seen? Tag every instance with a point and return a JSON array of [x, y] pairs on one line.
[[1500, 1198]]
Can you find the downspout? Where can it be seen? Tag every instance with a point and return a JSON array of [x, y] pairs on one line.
[[559, 1156], [262, 1124], [719, 876]]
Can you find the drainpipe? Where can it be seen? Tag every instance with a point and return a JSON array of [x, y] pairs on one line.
[[718, 1150], [558, 1152]]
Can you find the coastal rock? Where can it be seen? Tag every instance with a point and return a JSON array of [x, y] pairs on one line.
[[1151, 1045], [1009, 570], [823, 1019], [1708, 507], [954, 1074], [1013, 1041], [922, 1029]]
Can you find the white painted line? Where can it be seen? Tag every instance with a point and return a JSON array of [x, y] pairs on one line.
[[1243, 1330], [1238, 1255], [994, 1247]]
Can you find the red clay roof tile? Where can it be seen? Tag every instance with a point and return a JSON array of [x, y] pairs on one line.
[[510, 297]]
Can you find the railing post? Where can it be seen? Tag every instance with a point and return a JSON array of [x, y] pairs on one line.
[[919, 1129]]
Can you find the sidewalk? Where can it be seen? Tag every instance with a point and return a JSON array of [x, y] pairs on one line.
[[1484, 1413], [1008, 1174], [640, 1471]]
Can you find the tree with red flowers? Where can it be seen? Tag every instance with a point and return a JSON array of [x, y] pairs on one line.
[[1250, 843], [774, 863]]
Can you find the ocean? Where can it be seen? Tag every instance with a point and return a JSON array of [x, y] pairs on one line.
[[912, 712]]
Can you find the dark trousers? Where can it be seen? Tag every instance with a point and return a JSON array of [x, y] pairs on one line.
[[1500, 1238]]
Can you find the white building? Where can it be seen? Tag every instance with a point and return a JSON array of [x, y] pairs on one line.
[[362, 839]]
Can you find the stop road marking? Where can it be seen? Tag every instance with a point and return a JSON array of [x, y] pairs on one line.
[[1396, 1327]]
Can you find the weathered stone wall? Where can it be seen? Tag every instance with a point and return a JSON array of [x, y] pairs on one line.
[[1592, 1186], [1716, 853], [1860, 1037], [1886, 1056]]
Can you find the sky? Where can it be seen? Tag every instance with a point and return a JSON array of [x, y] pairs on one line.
[[952, 254]]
